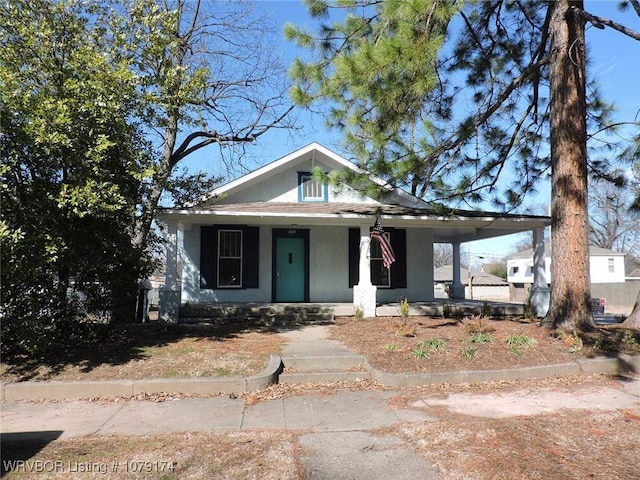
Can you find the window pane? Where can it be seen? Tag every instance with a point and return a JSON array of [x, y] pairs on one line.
[[230, 243], [230, 258], [379, 274], [312, 189], [375, 252], [229, 272]]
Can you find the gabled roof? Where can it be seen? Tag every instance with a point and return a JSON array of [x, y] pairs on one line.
[[593, 251], [316, 152]]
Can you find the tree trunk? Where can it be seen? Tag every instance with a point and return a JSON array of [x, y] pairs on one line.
[[633, 320], [570, 307]]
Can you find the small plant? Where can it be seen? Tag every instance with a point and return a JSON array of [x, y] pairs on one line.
[[481, 337], [597, 343], [486, 310], [518, 342], [446, 310], [359, 312], [528, 311], [469, 352], [573, 341], [421, 353], [479, 324], [392, 346], [403, 308], [433, 344], [426, 347], [629, 339], [406, 328]]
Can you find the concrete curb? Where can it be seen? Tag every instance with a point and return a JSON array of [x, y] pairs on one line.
[[607, 366], [117, 388], [271, 374]]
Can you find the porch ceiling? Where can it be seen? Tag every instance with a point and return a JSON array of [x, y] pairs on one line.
[[448, 225]]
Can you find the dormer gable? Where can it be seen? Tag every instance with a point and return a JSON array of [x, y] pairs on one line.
[[290, 180]]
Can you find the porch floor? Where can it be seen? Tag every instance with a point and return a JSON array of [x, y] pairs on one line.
[[327, 311]]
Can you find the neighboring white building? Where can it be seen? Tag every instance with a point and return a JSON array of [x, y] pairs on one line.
[[606, 266]]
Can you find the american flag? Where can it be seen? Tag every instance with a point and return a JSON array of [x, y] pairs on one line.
[[388, 257]]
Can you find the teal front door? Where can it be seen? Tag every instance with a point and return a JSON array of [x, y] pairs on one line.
[[290, 269]]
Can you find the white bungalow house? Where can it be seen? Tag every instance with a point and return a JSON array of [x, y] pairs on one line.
[[606, 266], [278, 235]]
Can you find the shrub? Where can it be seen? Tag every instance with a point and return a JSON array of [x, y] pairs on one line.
[[481, 337], [469, 352], [479, 324], [518, 342]]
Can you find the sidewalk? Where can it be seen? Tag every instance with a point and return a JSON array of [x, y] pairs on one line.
[[336, 429]]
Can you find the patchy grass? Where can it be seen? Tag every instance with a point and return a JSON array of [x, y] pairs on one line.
[[234, 455], [156, 351]]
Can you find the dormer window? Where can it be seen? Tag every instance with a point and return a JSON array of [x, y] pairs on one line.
[[310, 189]]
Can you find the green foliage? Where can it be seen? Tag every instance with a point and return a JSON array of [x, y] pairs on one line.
[[359, 312], [520, 342], [421, 353], [481, 338], [629, 338], [425, 348], [392, 346], [394, 87], [72, 163], [469, 352], [403, 307]]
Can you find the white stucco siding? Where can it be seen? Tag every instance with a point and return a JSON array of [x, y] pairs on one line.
[[328, 268], [329, 265], [283, 187], [191, 291]]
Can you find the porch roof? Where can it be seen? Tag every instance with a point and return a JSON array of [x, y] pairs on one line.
[[448, 225]]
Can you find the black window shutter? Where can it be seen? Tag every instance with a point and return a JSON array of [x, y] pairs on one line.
[[399, 267], [354, 256], [251, 257], [208, 254]]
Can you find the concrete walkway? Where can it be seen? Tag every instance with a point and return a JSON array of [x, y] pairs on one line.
[[337, 431]]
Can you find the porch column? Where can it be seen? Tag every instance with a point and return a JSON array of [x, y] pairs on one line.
[[364, 293], [169, 294], [540, 293], [457, 289]]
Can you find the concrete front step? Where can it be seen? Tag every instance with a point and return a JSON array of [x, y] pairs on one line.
[[324, 363], [318, 369], [322, 377]]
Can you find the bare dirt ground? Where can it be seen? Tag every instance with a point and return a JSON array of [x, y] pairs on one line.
[[430, 345], [565, 444], [154, 351]]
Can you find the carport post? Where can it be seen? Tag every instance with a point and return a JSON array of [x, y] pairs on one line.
[[540, 293], [457, 289], [169, 301]]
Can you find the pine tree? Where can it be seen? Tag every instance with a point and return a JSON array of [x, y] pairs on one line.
[[396, 70]]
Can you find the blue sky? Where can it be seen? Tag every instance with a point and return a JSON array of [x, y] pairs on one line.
[[615, 62]]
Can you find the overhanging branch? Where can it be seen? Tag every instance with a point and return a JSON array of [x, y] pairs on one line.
[[601, 22]]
